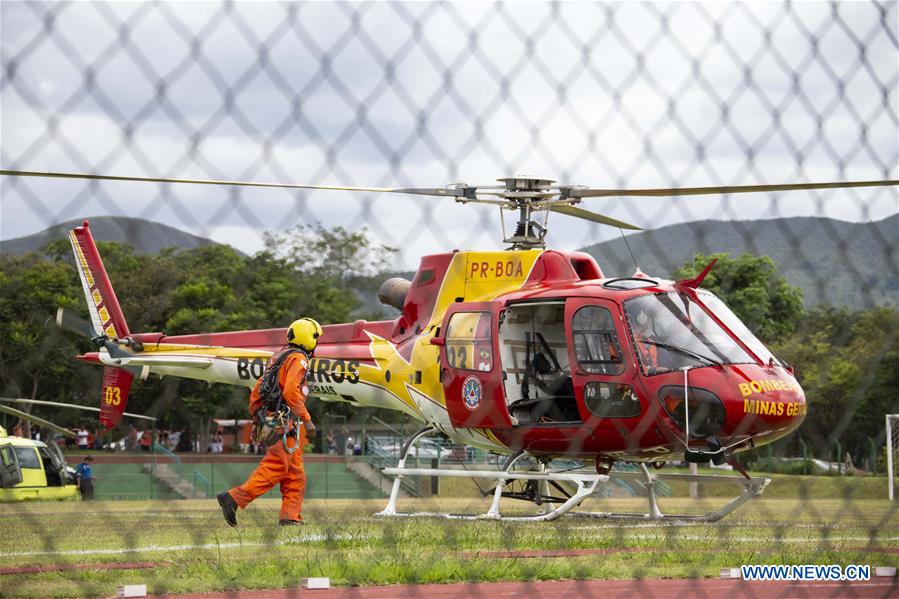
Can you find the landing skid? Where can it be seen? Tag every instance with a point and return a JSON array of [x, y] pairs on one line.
[[586, 483]]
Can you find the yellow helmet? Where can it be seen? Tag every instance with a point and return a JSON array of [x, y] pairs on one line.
[[304, 333]]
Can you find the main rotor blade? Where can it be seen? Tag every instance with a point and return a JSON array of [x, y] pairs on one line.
[[68, 405], [591, 216], [38, 421], [425, 191], [723, 189]]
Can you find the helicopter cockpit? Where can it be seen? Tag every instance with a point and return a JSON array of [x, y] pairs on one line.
[[531, 356], [672, 331], [534, 355]]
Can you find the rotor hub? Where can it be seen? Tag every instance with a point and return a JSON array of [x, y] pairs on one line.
[[526, 183]]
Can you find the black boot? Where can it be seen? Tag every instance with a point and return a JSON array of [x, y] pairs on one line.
[[229, 508], [290, 522]]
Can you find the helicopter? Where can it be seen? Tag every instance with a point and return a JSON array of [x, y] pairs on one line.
[[31, 469], [532, 353]]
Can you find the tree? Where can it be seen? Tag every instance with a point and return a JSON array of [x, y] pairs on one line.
[[751, 287], [34, 357], [307, 271], [333, 254]]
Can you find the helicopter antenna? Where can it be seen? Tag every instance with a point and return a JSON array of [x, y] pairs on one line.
[[628, 246]]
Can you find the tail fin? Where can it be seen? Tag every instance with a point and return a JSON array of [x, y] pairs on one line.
[[114, 395], [106, 314], [107, 319]]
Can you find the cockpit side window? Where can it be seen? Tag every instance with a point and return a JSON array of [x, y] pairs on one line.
[[27, 458], [469, 341], [596, 345]]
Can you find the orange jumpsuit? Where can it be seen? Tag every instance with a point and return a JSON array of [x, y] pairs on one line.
[[649, 352], [278, 466]]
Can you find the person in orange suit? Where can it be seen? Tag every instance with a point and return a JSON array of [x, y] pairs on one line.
[[649, 353], [283, 462]]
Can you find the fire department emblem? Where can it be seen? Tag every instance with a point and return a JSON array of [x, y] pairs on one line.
[[471, 393]]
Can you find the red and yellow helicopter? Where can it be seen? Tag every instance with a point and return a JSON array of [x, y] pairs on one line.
[[528, 352]]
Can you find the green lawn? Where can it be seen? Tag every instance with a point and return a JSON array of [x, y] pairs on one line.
[[785, 486], [195, 551]]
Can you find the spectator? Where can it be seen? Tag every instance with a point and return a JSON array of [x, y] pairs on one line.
[[131, 439], [146, 440], [83, 439], [348, 449], [185, 442], [85, 478], [332, 444]]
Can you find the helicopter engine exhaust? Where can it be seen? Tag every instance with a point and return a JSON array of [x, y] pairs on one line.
[[393, 292]]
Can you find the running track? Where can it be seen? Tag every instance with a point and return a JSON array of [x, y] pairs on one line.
[[632, 589]]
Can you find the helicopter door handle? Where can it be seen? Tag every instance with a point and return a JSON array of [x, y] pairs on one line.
[[438, 341]]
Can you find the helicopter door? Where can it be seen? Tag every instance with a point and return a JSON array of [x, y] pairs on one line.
[[605, 379], [55, 475], [10, 473], [471, 373], [59, 461]]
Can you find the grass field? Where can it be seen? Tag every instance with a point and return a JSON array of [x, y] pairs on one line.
[[784, 486], [191, 549]]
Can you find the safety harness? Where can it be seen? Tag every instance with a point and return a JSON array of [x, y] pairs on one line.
[[274, 419]]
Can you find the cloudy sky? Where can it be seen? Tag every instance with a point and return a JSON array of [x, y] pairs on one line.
[[422, 94]]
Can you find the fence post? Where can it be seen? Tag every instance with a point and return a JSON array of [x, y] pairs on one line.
[[873, 468], [152, 469], [435, 464], [889, 440], [839, 460], [805, 461]]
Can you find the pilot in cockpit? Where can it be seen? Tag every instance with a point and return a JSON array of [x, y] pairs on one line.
[[643, 332]]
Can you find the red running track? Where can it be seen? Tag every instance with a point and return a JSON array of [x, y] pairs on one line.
[[631, 589]]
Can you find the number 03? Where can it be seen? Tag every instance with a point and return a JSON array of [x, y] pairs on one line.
[[113, 396]]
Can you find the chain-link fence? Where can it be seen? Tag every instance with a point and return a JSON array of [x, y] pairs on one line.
[[615, 95]]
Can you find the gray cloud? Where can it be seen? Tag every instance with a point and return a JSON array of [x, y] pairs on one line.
[[637, 94]]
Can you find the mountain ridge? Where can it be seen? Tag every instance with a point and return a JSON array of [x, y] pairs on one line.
[[834, 262], [146, 236]]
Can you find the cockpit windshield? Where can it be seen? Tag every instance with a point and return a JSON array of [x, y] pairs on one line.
[[672, 331]]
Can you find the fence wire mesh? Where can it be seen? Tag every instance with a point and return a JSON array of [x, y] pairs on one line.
[[395, 94]]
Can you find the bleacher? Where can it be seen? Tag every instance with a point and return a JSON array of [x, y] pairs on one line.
[[323, 479], [128, 481], [135, 481]]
